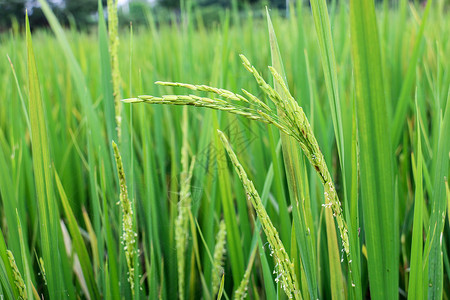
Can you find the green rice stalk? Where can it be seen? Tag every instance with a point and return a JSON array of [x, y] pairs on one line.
[[241, 292], [283, 268], [267, 278], [113, 49], [416, 286], [221, 289], [18, 280], [184, 205], [128, 235], [219, 257]]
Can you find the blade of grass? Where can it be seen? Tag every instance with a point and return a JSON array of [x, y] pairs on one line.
[[9, 199], [269, 289], [47, 208], [402, 105], [326, 47], [337, 280], [22, 101], [236, 254], [104, 152], [438, 209], [415, 290], [108, 99], [193, 226], [378, 202], [241, 292], [78, 243], [221, 288]]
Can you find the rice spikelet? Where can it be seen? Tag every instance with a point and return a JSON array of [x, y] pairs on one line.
[[219, 256], [18, 280], [113, 49], [128, 235]]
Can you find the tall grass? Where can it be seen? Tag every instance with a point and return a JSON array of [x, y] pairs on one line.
[[344, 138]]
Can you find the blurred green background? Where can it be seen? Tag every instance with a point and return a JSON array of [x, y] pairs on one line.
[[83, 13]]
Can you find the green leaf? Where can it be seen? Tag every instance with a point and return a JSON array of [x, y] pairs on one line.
[[78, 243], [47, 207], [235, 251], [415, 289], [402, 105], [438, 208], [377, 177]]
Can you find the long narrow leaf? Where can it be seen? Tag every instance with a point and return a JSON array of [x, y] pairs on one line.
[[377, 177], [48, 215]]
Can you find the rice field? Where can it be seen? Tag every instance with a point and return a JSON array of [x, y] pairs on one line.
[[262, 156]]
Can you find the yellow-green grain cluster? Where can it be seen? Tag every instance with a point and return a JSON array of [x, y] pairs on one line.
[[219, 256], [128, 234], [18, 281], [293, 122], [301, 130], [283, 266], [298, 126], [113, 50]]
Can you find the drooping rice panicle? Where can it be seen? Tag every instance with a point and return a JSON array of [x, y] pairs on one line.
[[128, 234], [290, 119], [201, 102], [252, 100], [203, 88], [284, 268], [315, 157]]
